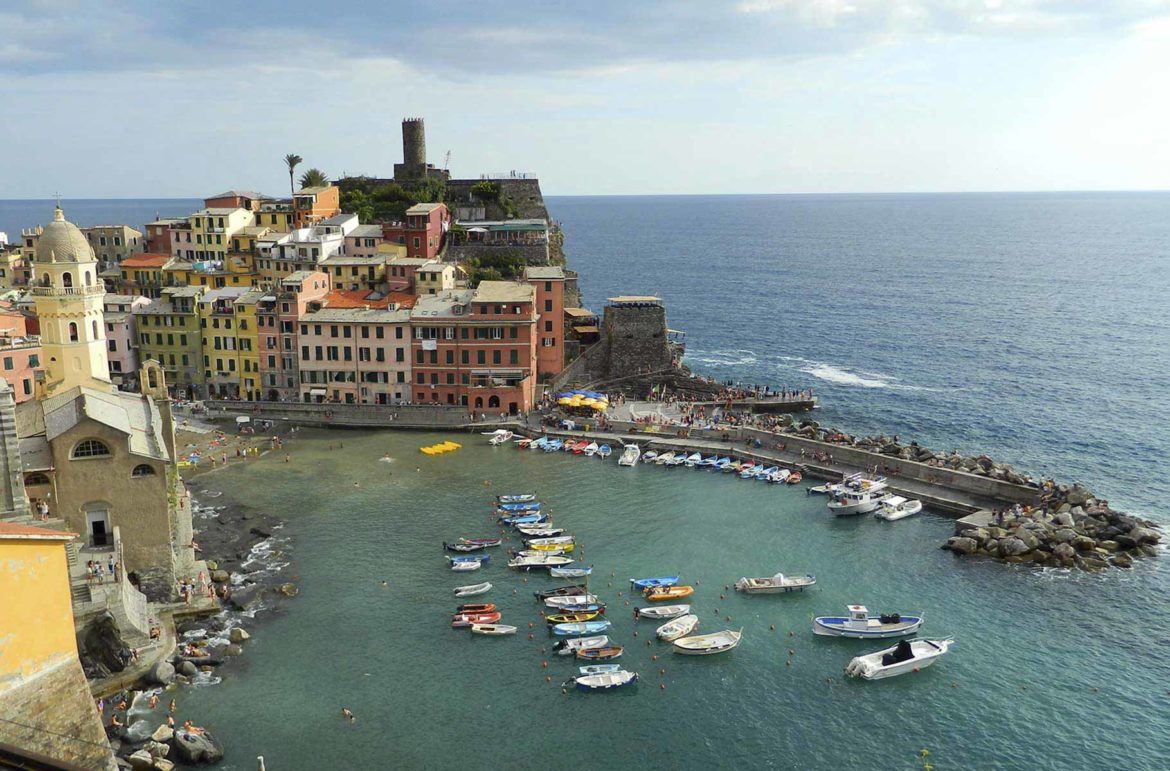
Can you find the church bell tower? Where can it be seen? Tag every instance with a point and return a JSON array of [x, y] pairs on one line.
[[68, 296]]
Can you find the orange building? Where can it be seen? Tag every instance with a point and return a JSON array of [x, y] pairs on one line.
[[549, 283], [313, 204], [476, 348]]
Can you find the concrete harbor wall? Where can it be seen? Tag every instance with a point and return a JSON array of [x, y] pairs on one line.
[[423, 417]]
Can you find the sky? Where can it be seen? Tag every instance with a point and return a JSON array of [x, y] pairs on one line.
[[141, 98]]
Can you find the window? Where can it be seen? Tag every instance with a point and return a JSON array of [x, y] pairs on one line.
[[513, 356], [495, 357], [480, 357], [90, 448], [36, 478], [400, 354], [72, 331], [548, 305], [8, 362], [34, 361], [548, 326], [142, 470]]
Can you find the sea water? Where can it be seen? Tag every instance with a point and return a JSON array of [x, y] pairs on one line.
[[1050, 669]]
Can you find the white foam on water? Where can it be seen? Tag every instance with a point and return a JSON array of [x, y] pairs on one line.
[[728, 358], [831, 374]]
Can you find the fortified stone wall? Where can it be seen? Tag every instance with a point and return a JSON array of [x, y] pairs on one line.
[[636, 337], [57, 719], [527, 201]]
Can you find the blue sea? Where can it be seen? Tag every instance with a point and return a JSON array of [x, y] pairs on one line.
[[1033, 327]]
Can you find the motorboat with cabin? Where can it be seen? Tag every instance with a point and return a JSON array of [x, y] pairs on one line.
[[859, 623], [896, 507], [864, 497], [906, 656], [777, 584]]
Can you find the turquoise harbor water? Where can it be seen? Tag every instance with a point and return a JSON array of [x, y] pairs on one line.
[[1017, 692]]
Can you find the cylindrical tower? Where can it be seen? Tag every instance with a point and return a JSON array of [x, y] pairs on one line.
[[414, 144]]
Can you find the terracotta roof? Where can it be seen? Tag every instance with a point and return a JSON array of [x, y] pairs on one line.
[[10, 530], [146, 261], [361, 298]]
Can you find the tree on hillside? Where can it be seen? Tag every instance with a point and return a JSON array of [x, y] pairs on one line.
[[314, 178], [292, 160]]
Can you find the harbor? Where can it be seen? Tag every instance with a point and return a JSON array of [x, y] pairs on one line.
[[711, 530]]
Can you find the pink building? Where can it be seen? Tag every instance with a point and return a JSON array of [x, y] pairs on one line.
[[355, 355], [20, 356], [363, 241], [277, 317], [121, 337]]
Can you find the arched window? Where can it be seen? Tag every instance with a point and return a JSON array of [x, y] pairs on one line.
[[72, 332], [96, 334], [90, 448], [67, 279], [493, 401], [35, 478], [45, 280], [88, 279], [479, 402], [142, 470]]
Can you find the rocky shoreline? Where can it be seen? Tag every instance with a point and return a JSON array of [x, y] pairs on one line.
[[1068, 528], [247, 558]]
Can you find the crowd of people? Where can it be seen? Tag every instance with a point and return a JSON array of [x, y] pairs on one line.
[[97, 574]]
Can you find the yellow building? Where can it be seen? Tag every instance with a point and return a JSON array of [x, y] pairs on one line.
[[47, 707], [213, 230], [231, 356], [168, 331]]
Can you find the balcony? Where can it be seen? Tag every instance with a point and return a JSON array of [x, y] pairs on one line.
[[45, 291]]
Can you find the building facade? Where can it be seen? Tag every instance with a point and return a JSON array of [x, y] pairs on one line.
[[168, 332], [355, 355], [278, 314], [549, 283], [122, 336]]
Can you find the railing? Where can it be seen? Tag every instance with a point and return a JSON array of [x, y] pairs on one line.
[[508, 175], [69, 290]]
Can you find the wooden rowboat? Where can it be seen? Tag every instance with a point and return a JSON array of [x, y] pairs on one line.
[[668, 593], [599, 654]]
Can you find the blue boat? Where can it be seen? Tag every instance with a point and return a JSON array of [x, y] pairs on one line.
[[650, 583], [579, 628], [525, 519], [591, 607], [539, 444], [721, 464], [472, 558], [525, 506], [604, 681], [554, 445]]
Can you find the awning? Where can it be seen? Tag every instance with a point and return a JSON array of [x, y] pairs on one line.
[[499, 372], [477, 230], [243, 419], [317, 392], [586, 330]]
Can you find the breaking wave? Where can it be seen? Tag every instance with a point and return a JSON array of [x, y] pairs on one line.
[[831, 374]]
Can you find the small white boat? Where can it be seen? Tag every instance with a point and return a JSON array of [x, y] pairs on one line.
[[780, 476], [473, 589], [597, 669], [540, 531], [550, 539], [493, 629], [539, 560], [693, 460], [860, 624], [465, 567], [532, 553], [605, 681], [777, 584], [896, 507], [662, 611], [604, 451], [591, 449], [570, 646], [906, 656], [650, 456], [572, 599], [678, 459], [863, 498], [663, 459], [516, 498], [569, 572], [829, 488], [676, 628], [630, 455], [708, 644], [500, 437]]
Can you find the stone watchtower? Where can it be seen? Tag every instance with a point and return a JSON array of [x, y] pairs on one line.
[[414, 164], [68, 296]]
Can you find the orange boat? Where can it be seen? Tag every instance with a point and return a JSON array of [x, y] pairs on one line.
[[660, 593], [793, 478], [599, 654], [462, 620], [486, 607]]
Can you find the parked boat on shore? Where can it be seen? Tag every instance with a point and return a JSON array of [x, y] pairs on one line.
[[580, 628], [571, 590], [597, 669], [516, 498], [562, 600], [600, 654], [906, 656], [859, 623], [482, 541], [662, 593], [630, 455], [646, 583], [604, 451], [650, 456], [462, 620]]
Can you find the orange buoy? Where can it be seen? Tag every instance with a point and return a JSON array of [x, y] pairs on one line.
[[662, 686], [773, 627], [722, 597], [654, 657], [544, 664], [548, 678], [662, 671], [791, 652], [789, 662]]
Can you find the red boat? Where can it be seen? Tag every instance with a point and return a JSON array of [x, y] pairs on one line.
[[793, 478], [486, 607], [579, 447], [462, 620]]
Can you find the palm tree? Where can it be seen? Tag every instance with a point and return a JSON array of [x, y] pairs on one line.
[[314, 178], [292, 160]]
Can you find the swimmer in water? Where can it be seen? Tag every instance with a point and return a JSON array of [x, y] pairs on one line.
[[345, 713]]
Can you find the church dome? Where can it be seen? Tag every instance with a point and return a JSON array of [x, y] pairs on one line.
[[62, 241]]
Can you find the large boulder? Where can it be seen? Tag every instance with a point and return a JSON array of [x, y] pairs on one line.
[[977, 533], [1064, 535], [1064, 551], [188, 669], [1064, 519], [1144, 535], [246, 597], [138, 731], [1078, 496], [1012, 546], [1126, 542], [238, 634], [233, 650], [963, 545], [142, 761], [161, 673], [157, 749], [221, 576], [196, 749], [162, 764], [1084, 543], [164, 733], [1121, 561], [289, 590]]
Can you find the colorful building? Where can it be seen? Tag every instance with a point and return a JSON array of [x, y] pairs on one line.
[[231, 356], [147, 275], [363, 241], [355, 355], [313, 204], [401, 271], [21, 355], [113, 243], [433, 277], [46, 698], [423, 232], [213, 230], [278, 314], [158, 235], [282, 254], [122, 336], [549, 283], [476, 348], [168, 331]]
